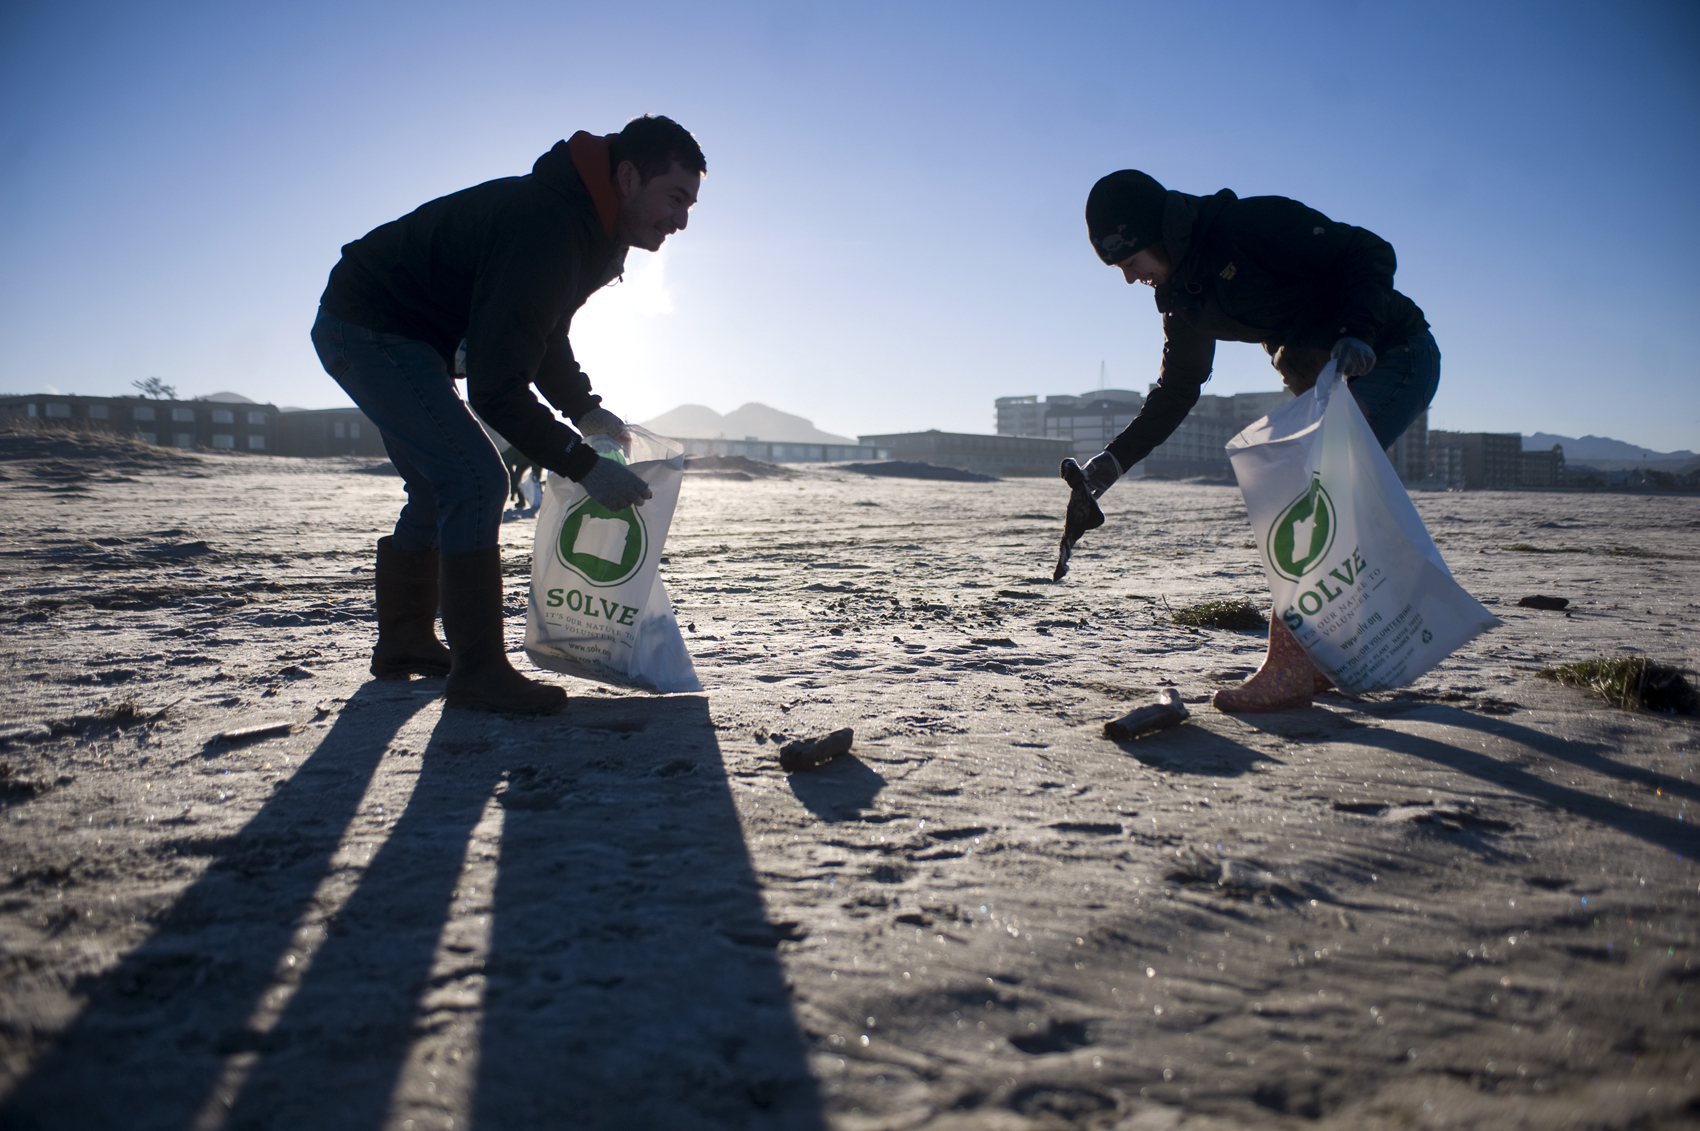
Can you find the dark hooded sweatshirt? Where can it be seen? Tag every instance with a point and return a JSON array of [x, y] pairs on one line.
[[503, 265], [1268, 270]]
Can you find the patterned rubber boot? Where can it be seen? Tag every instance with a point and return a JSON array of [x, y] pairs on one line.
[[1285, 681]]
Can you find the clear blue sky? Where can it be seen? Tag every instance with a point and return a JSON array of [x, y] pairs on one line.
[[890, 234]]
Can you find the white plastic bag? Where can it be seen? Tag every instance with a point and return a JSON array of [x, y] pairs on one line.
[[1353, 570], [598, 608]]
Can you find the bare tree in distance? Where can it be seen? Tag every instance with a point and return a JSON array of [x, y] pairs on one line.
[[157, 389]]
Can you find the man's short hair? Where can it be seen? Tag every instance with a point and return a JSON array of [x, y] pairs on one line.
[[652, 143]]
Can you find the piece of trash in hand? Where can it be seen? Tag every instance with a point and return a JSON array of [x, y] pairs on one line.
[[1082, 515], [1166, 712], [807, 753]]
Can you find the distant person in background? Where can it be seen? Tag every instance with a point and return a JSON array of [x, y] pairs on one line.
[[1268, 270], [502, 267]]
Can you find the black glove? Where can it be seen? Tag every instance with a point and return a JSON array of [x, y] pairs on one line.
[[1355, 357], [1082, 515], [1102, 471]]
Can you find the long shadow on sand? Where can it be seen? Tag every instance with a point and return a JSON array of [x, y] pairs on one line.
[[839, 790], [1675, 836], [634, 980], [1583, 755], [631, 979], [1188, 749], [156, 1032]]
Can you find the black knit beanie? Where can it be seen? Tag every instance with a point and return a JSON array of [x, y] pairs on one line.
[[1124, 214]]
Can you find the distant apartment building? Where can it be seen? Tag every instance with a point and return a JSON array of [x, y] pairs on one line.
[[784, 451], [1008, 456], [1541, 469], [221, 422], [222, 425], [1093, 420], [1090, 420], [1025, 416], [321, 432], [1409, 452], [1195, 449], [1475, 461]]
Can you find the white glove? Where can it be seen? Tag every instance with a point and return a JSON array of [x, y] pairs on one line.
[[612, 485], [1102, 471], [600, 422], [1355, 357]]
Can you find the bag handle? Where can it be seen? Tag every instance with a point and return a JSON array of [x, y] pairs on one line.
[[1326, 381]]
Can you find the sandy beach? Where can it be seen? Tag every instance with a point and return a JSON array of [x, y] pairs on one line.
[[1468, 904]]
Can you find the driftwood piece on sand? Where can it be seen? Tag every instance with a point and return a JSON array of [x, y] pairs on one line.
[[1166, 712], [807, 753], [253, 733]]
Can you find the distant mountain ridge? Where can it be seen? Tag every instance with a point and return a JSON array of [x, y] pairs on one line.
[[751, 421], [1597, 447]]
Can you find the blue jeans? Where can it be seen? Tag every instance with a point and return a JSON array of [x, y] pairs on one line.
[[456, 482], [1401, 385]]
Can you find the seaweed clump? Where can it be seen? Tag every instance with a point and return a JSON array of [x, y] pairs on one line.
[[1630, 682], [127, 711], [1238, 614]]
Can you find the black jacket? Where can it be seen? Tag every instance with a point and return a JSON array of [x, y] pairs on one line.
[[504, 265], [1265, 269]]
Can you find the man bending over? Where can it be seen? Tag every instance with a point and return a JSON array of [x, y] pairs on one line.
[[502, 267]]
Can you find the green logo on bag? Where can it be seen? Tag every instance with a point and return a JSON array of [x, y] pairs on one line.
[[604, 547], [1304, 532]]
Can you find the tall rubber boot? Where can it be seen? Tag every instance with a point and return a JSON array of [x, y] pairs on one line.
[[480, 676], [1285, 681], [406, 596]]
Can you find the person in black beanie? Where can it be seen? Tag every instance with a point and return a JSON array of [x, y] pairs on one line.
[[1272, 271]]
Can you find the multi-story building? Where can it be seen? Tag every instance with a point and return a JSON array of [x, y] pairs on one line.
[[1541, 469], [1249, 408], [1475, 461], [783, 451], [220, 422], [1091, 420], [224, 421], [1196, 447], [1099, 414], [1445, 462], [1492, 460], [1025, 416], [1011, 456], [319, 432], [1409, 452]]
